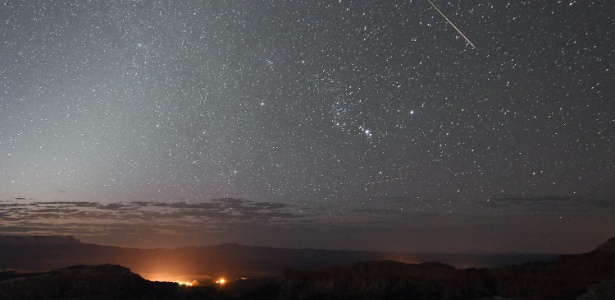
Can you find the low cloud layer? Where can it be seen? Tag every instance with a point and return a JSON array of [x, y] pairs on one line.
[[389, 223]]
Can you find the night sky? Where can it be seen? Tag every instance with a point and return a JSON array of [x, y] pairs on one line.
[[312, 123]]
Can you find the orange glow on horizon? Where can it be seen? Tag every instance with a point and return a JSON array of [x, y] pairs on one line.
[[179, 280], [221, 281]]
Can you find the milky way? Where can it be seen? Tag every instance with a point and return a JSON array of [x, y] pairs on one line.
[[353, 112]]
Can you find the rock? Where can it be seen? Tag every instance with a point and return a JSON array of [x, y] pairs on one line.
[[609, 246], [601, 291]]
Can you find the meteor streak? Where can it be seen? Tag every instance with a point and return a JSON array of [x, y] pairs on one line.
[[449, 21]]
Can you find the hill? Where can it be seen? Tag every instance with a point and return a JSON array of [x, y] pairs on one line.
[[96, 282]]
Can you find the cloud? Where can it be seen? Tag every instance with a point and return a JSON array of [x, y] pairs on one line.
[[87, 215], [553, 204], [533, 198], [154, 224], [165, 224]]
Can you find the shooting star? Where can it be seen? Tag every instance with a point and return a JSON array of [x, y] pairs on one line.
[[449, 21], [387, 180]]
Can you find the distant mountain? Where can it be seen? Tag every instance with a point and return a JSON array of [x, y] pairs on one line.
[[232, 260]]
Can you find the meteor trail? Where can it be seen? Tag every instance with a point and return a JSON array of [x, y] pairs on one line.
[[449, 21]]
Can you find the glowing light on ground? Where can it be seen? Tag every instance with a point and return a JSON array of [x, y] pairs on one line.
[[181, 280], [187, 283], [221, 281]]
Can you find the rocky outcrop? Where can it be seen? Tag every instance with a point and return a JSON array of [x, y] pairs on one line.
[[601, 291], [608, 247], [568, 277], [385, 280]]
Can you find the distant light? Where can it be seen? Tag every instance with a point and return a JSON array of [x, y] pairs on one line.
[[185, 283], [221, 281]]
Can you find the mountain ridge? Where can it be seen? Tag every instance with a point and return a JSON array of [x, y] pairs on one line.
[[52, 252], [585, 276]]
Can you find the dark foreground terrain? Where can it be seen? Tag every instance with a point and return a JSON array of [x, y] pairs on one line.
[[94, 282], [583, 276]]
